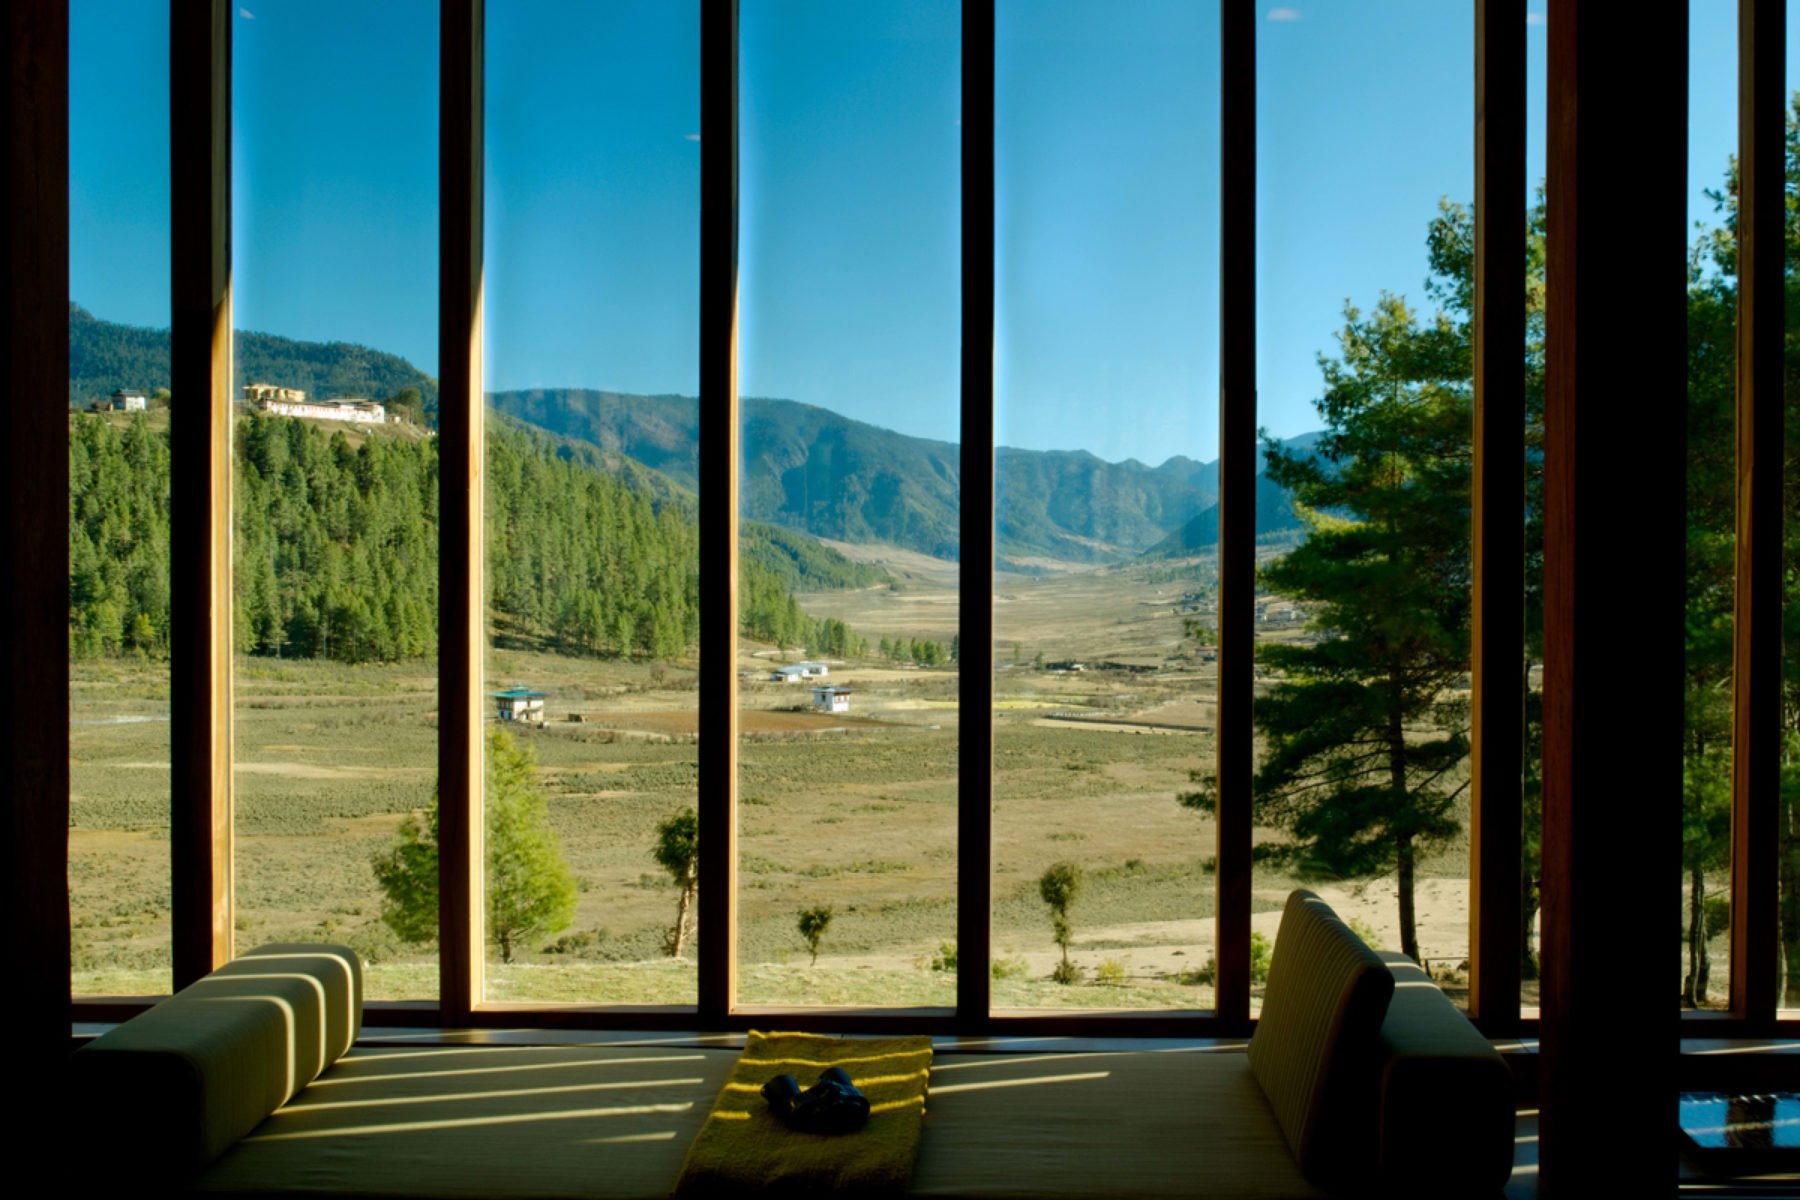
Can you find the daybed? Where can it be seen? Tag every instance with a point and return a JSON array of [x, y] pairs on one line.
[[1360, 1076]]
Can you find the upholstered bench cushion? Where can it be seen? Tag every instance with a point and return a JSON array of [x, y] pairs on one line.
[[614, 1123], [195, 1073], [1446, 1094], [487, 1121], [1313, 1050], [1143, 1123]]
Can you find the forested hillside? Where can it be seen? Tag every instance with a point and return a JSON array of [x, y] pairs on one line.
[[801, 563], [336, 549], [104, 356]]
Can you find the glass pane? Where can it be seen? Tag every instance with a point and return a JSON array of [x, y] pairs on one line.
[[850, 501], [1711, 530], [1532, 807], [1363, 601], [1107, 484], [592, 553], [118, 499], [1788, 844], [334, 281]]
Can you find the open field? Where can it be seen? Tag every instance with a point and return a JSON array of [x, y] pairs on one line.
[[856, 811]]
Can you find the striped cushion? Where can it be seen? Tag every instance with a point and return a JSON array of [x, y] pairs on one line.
[[1313, 1051]]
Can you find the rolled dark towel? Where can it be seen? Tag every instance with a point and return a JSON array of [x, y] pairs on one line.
[[832, 1105], [781, 1092]]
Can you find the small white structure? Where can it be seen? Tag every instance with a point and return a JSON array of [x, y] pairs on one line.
[[291, 402], [129, 400], [520, 704], [831, 699], [794, 672]]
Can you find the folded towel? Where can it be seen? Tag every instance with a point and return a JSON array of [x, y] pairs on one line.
[[744, 1149]]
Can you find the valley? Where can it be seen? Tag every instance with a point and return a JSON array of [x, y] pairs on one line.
[[855, 811]]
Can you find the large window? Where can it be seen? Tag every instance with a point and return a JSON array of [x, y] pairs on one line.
[[849, 503], [1364, 383], [119, 464], [870, 824], [1788, 842], [591, 565], [335, 481], [1711, 535], [1106, 497]]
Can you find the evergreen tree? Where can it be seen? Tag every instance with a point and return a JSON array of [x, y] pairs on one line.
[[812, 923], [678, 852], [530, 889], [1059, 887], [1364, 738]]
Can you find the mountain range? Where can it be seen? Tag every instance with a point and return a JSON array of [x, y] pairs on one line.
[[805, 468]]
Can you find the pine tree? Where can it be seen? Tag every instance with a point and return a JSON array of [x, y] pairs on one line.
[[1364, 736], [530, 889]]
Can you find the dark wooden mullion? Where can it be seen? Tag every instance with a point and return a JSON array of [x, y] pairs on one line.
[[1756, 628], [1237, 505], [718, 749], [1615, 353], [37, 542], [975, 664], [200, 847], [1498, 634], [461, 932]]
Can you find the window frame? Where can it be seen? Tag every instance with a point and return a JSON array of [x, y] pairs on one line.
[[201, 796]]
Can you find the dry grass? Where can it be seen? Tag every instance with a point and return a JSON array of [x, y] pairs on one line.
[[857, 812]]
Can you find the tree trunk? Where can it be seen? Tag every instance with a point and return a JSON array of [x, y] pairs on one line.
[[1528, 963], [1528, 883], [1409, 933], [1693, 987], [681, 916], [1789, 844], [1403, 844]]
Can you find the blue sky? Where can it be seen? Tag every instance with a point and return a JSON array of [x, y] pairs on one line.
[[1107, 192]]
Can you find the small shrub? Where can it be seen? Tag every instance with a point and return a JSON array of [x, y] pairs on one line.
[[945, 958], [1059, 887], [1008, 967], [1262, 953], [1110, 973], [1066, 972], [1365, 931], [812, 924]]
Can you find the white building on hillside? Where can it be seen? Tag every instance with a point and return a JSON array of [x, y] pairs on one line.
[[292, 402]]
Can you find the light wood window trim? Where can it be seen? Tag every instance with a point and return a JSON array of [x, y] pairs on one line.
[[719, 454], [201, 539], [1497, 633], [200, 600], [462, 634], [1236, 747]]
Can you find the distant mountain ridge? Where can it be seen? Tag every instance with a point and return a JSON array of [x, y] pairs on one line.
[[814, 470], [805, 468]]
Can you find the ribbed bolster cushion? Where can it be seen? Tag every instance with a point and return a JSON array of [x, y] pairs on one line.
[[336, 969], [189, 1077], [1314, 1046], [1446, 1094]]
